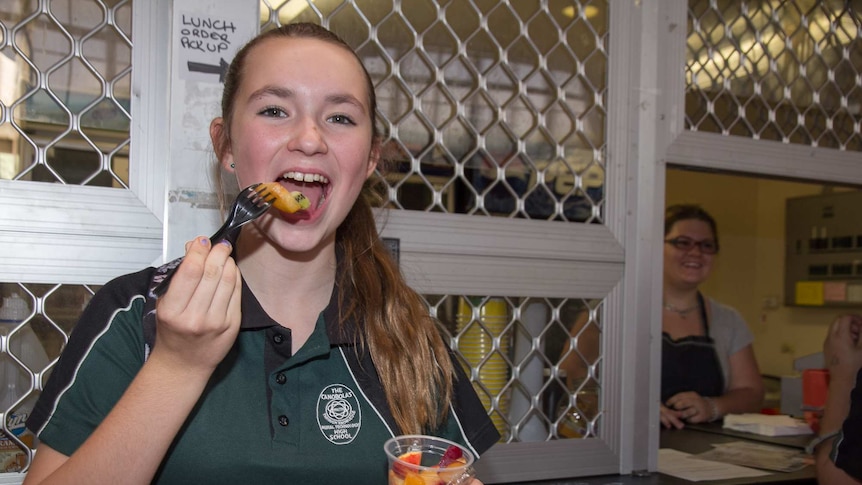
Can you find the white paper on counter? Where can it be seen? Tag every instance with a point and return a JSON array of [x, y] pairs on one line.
[[683, 465], [757, 455], [767, 425]]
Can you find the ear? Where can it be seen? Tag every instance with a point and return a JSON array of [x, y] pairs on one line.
[[373, 159], [221, 143]]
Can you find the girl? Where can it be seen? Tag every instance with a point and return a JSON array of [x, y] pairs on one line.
[[287, 355]]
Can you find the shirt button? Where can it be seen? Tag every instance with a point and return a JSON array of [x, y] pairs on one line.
[[282, 420], [278, 338], [280, 378]]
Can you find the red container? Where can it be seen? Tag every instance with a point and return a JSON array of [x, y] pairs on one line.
[[815, 386]]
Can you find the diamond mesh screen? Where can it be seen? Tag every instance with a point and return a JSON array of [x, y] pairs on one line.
[[788, 71], [65, 73], [35, 322], [534, 362], [491, 107]]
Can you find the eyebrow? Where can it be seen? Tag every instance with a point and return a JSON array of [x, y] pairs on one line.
[[281, 92], [270, 90]]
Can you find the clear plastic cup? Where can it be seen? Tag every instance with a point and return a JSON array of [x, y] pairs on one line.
[[417, 460]]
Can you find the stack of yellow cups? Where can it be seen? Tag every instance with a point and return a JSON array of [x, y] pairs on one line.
[[476, 344]]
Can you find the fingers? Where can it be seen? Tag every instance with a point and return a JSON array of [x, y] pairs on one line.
[[681, 400], [199, 276], [855, 329], [689, 407], [845, 325], [670, 418], [234, 308], [217, 283], [199, 316]]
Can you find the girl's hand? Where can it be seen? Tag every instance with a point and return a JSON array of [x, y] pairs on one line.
[[199, 316]]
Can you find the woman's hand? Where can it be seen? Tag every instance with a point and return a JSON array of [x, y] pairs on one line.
[[690, 407], [199, 316], [671, 418]]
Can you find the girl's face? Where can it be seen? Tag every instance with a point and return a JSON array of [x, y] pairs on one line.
[[301, 118], [688, 267]]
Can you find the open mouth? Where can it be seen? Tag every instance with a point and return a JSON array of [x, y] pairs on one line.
[[313, 185]]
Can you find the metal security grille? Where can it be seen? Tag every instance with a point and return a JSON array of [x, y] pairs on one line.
[[491, 107], [534, 362], [65, 73], [29, 345], [788, 71]]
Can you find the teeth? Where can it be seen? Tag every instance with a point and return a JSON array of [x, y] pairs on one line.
[[306, 177]]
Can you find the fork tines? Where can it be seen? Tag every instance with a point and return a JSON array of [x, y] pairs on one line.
[[261, 195]]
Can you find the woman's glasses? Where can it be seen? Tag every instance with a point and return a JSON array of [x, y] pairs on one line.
[[684, 243]]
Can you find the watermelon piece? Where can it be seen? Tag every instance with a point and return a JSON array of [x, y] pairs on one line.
[[411, 457]]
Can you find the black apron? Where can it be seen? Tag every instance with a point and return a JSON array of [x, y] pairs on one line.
[[691, 363]]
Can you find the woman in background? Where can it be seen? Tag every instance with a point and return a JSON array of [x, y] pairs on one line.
[[708, 364]]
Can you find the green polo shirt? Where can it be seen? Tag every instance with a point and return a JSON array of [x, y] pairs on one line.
[[268, 414]]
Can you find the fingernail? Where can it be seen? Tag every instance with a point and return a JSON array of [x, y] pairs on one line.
[[225, 242], [204, 241]]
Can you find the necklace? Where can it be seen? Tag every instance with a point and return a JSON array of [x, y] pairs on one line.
[[683, 312]]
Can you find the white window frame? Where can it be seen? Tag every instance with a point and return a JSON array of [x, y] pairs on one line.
[[54, 233]]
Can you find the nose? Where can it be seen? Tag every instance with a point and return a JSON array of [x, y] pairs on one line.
[[307, 138]]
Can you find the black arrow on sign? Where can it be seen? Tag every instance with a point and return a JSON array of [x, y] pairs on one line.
[[221, 69]]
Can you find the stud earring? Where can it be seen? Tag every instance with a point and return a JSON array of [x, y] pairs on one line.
[[233, 165]]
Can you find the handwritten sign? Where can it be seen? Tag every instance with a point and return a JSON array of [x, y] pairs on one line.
[[205, 34], [204, 38], [206, 43]]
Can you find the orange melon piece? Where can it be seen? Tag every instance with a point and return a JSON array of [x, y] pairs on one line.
[[430, 477], [285, 201], [414, 479]]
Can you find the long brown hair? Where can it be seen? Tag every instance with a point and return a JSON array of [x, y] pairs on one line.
[[396, 328]]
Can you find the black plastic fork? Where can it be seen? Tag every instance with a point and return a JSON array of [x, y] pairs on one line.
[[250, 204]]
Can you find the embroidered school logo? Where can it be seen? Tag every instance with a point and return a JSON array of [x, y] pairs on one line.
[[338, 414]]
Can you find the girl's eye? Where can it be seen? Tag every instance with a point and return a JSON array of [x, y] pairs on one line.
[[341, 119], [273, 111]]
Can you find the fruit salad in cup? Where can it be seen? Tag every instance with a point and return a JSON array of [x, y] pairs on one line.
[[428, 460]]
